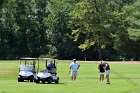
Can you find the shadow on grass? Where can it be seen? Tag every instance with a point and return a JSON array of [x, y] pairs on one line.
[[2, 92], [52, 83], [44, 83]]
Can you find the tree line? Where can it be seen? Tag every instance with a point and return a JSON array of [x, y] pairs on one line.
[[67, 29]]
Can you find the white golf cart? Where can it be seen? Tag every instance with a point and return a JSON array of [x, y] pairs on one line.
[[48, 75], [27, 70]]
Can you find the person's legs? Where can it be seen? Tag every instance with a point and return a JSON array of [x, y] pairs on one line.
[[72, 76], [75, 75], [107, 76], [102, 77]]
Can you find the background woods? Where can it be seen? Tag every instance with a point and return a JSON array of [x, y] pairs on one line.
[[67, 29]]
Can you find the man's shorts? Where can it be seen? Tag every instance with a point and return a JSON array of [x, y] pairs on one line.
[[102, 73], [74, 73], [108, 72]]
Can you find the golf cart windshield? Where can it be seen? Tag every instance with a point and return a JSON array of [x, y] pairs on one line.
[[50, 65], [27, 64], [26, 67]]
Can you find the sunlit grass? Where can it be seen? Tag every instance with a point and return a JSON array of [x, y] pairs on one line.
[[124, 79]]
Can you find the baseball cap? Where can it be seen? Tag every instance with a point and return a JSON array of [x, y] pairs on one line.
[[74, 59]]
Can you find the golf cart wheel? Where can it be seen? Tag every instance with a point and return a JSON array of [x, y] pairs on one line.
[[20, 80], [43, 81], [49, 80], [57, 81], [31, 78], [37, 80]]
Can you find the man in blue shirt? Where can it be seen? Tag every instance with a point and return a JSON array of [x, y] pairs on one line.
[[50, 66], [74, 66]]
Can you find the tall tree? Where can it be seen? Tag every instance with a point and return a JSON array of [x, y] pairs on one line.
[[91, 21], [32, 31], [58, 31], [128, 42], [8, 36]]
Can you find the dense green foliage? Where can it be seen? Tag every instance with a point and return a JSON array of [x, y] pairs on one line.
[[124, 79], [66, 29]]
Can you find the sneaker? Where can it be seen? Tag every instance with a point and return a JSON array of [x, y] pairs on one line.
[[102, 82], [108, 83], [74, 81], [71, 81]]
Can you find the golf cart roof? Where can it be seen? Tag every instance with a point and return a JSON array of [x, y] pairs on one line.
[[28, 58], [47, 59]]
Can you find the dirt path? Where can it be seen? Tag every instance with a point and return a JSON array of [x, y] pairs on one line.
[[114, 62], [124, 62]]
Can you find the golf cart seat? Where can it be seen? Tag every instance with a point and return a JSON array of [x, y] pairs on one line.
[[44, 70], [52, 71]]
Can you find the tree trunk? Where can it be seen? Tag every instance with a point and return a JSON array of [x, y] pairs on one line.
[[98, 22], [99, 50]]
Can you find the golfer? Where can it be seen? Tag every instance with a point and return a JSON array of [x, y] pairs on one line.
[[50, 66], [107, 68], [74, 66], [101, 71]]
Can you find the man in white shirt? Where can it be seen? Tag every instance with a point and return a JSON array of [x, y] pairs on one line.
[[74, 66]]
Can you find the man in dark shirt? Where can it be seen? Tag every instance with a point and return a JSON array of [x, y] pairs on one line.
[[101, 71]]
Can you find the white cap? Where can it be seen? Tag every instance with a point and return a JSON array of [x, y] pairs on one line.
[[74, 59]]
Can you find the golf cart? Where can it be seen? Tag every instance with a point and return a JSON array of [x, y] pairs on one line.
[[47, 74], [27, 70]]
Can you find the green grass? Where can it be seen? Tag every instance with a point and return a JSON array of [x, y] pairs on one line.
[[125, 78]]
